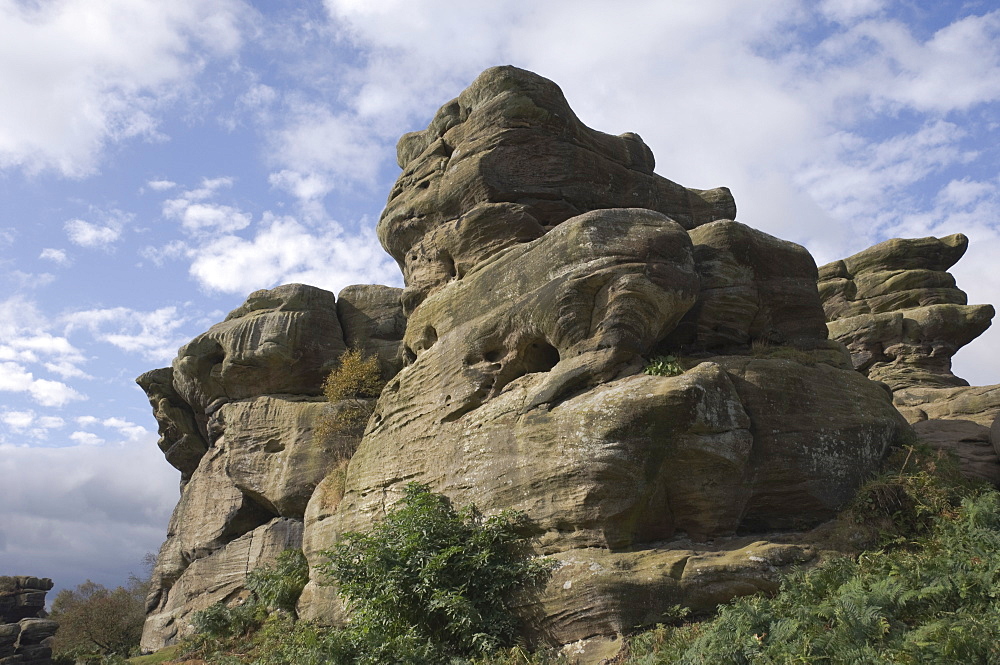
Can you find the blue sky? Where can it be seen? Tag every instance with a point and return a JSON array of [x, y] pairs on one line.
[[159, 161]]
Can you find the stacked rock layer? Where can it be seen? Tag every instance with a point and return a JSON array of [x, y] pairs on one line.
[[25, 635], [901, 316]]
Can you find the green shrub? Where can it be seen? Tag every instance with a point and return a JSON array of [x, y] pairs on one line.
[[430, 582], [272, 587], [663, 366], [278, 586]]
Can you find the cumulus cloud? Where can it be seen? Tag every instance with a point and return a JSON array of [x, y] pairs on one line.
[[199, 217], [15, 378], [78, 75], [283, 250], [87, 234], [87, 510]]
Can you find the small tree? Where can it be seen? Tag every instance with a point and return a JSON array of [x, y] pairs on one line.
[[97, 621], [432, 579]]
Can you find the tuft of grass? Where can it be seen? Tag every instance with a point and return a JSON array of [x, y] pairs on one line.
[[165, 655]]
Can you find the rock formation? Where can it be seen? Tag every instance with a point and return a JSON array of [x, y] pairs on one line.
[[237, 414], [545, 266], [902, 318], [25, 634]]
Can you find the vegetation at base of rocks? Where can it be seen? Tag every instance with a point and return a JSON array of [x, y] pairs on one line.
[[663, 366], [100, 625], [926, 593], [273, 588], [428, 584], [350, 389], [165, 655]]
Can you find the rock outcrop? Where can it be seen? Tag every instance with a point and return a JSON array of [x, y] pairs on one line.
[[25, 634], [238, 414], [545, 266], [902, 318], [536, 292]]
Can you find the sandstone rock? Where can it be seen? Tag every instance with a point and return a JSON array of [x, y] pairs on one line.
[[899, 312], [505, 162], [282, 340], [753, 287], [273, 453], [180, 438], [902, 318], [580, 303], [968, 440], [372, 319], [218, 577]]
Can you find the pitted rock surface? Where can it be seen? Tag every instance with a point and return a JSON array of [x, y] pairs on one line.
[[505, 162]]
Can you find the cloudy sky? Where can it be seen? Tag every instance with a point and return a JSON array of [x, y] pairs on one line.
[[160, 160]]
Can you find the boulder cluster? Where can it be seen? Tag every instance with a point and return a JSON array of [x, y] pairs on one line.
[[25, 635], [547, 270]]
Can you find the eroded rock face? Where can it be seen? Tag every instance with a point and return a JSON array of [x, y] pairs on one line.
[[899, 313], [545, 264], [25, 635], [902, 317], [238, 415], [218, 577], [505, 162]]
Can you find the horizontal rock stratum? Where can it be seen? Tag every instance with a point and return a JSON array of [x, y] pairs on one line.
[[545, 266]]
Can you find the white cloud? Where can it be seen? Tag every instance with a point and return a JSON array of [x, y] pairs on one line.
[[199, 218], [152, 334], [15, 378], [55, 255], [283, 251], [87, 234], [78, 75], [161, 185], [29, 423], [86, 438]]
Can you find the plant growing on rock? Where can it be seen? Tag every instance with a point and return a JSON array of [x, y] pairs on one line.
[[663, 366], [350, 388]]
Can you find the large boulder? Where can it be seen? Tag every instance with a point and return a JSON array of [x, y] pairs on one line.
[[505, 162]]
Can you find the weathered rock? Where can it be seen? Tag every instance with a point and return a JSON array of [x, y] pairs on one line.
[[181, 440], [25, 636], [505, 162], [899, 312], [280, 341], [902, 318], [754, 287], [372, 319], [218, 577], [595, 591], [273, 452], [969, 441], [633, 461], [580, 304]]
